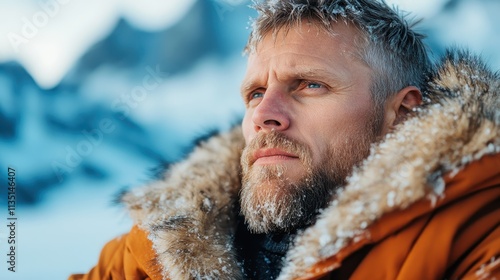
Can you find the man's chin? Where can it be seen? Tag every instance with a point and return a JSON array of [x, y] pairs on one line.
[[271, 204], [272, 188], [277, 175]]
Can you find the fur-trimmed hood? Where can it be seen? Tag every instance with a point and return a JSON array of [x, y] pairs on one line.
[[190, 214]]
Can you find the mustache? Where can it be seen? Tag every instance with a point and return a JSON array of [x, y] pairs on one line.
[[278, 140]]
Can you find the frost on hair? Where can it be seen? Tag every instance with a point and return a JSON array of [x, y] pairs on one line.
[[375, 18]]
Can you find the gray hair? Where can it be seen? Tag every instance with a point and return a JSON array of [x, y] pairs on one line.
[[389, 45]]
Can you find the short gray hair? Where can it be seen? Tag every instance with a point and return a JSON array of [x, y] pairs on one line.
[[390, 47]]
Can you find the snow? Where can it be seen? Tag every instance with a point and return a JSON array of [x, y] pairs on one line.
[[39, 24], [390, 198]]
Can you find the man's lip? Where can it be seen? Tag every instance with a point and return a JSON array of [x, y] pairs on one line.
[[272, 152]]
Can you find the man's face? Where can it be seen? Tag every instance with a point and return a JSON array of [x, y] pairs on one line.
[[309, 119]]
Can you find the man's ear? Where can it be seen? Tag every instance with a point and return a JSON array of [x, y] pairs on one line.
[[404, 102]]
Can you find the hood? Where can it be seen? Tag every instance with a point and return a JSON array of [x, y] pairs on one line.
[[190, 214]]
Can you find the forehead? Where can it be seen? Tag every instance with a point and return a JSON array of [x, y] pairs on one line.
[[310, 37], [306, 49]]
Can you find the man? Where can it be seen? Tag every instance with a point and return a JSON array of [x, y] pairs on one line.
[[325, 80]]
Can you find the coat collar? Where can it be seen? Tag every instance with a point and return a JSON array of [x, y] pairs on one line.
[[190, 213]]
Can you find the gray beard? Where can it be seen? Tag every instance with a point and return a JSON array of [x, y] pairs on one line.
[[270, 202], [286, 206]]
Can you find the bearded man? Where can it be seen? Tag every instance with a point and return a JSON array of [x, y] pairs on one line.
[[297, 192]]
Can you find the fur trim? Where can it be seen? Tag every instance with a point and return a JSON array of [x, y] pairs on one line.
[[190, 214], [465, 98]]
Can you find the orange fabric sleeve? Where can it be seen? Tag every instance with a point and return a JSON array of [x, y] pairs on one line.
[[485, 259], [110, 264], [129, 256]]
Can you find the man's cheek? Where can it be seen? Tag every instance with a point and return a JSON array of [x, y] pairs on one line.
[[246, 129]]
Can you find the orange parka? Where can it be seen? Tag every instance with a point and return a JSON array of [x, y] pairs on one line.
[[424, 205]]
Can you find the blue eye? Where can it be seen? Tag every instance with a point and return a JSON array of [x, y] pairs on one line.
[[254, 95], [313, 85]]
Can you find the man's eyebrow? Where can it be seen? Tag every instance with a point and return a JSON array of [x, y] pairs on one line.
[[312, 73], [316, 73], [247, 85]]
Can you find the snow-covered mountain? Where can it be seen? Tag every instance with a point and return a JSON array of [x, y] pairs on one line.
[[154, 88]]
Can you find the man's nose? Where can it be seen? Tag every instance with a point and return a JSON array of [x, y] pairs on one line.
[[272, 113]]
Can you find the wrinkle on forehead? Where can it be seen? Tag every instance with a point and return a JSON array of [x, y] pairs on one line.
[[352, 45]]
